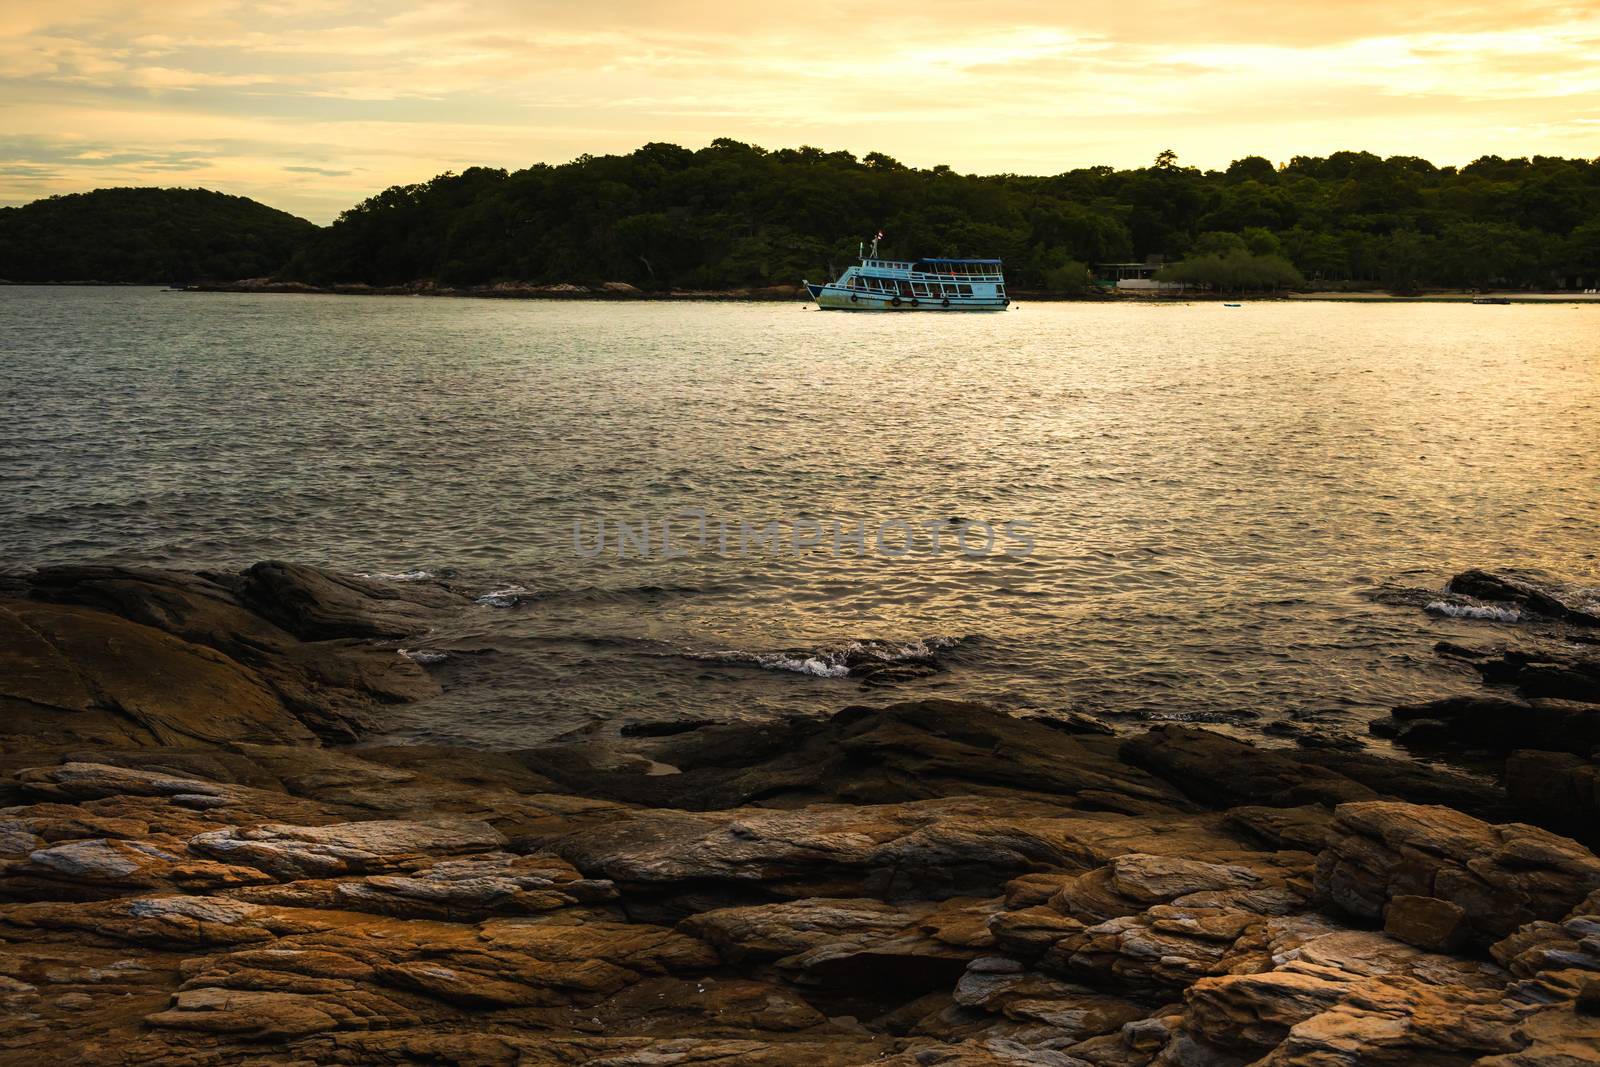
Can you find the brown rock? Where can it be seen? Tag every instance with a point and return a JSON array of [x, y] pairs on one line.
[[1426, 922], [1501, 876]]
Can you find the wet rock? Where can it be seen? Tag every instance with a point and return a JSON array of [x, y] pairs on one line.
[[138, 656], [908, 751], [1225, 772], [1072, 722], [318, 605], [74, 674], [1501, 876], [1530, 594], [1497, 724], [666, 728]]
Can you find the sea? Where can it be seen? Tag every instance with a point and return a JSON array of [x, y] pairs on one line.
[[656, 511]]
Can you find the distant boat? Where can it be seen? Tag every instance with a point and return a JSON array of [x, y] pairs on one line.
[[1233, 305], [914, 285], [1490, 300]]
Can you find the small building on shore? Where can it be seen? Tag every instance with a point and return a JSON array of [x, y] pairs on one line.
[[1135, 277]]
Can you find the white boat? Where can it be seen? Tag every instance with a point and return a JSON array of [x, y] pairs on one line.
[[914, 285]]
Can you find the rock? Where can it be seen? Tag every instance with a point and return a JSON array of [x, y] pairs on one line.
[[665, 728], [1497, 724], [1501, 876], [1072, 722], [468, 889], [909, 751], [1074, 1011], [1557, 790], [1225, 772], [928, 850], [137, 656], [927, 883], [1529, 594], [74, 674], [1131, 883], [1302, 829], [858, 946], [1028, 933], [346, 848], [1426, 922], [773, 931], [317, 605]]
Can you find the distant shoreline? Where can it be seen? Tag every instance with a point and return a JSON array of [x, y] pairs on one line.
[[796, 294]]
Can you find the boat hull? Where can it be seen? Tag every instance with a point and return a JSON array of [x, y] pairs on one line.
[[839, 298]]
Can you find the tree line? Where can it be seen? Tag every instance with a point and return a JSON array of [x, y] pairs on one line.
[[735, 215], [147, 235]]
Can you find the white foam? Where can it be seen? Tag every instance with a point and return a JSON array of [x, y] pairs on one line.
[[424, 656], [398, 576], [811, 665], [1491, 612], [503, 598]]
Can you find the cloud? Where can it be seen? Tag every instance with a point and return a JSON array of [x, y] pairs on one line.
[[314, 105]]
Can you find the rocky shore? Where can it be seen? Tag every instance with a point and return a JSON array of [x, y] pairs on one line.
[[197, 866]]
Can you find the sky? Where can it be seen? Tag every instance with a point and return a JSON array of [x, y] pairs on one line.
[[312, 105]]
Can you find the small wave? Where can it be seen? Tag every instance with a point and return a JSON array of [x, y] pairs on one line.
[[396, 576], [424, 656], [508, 597], [777, 661], [854, 658], [1491, 612], [618, 594]]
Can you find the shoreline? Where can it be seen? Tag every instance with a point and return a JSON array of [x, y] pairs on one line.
[[796, 294], [197, 864]]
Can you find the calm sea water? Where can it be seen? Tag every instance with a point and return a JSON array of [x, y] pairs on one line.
[[1215, 494]]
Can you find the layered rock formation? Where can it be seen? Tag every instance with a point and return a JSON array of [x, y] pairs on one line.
[[190, 874]]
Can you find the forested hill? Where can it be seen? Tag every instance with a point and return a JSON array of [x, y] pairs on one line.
[[146, 235], [732, 214]]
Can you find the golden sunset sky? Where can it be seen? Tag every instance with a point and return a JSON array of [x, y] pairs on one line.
[[311, 105]]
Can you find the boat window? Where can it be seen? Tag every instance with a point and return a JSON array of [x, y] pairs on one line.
[[966, 290], [919, 288], [905, 288]]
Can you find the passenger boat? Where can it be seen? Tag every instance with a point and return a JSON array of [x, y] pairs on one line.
[[914, 285]]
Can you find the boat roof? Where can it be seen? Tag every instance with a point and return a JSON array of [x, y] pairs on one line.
[[934, 259]]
